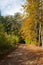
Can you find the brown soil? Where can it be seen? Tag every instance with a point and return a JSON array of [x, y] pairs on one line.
[[24, 55]]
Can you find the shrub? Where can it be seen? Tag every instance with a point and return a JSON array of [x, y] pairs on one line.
[[12, 40], [7, 42], [27, 41], [3, 42]]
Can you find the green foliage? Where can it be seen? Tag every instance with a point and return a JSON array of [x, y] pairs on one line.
[[12, 39], [7, 42], [27, 41], [1, 27], [3, 42], [9, 28], [12, 23]]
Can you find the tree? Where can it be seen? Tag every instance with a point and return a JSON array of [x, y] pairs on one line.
[[1, 23], [33, 27], [1, 28], [17, 18], [12, 23]]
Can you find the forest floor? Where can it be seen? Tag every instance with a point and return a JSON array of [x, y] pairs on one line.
[[24, 55]]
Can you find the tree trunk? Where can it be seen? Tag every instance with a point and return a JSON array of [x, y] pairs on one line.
[[38, 31], [40, 41]]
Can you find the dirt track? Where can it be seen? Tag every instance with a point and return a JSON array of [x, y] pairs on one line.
[[24, 55]]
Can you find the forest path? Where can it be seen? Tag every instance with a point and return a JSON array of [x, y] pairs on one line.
[[24, 55]]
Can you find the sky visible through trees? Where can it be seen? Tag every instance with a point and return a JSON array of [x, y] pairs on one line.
[[9, 7]]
